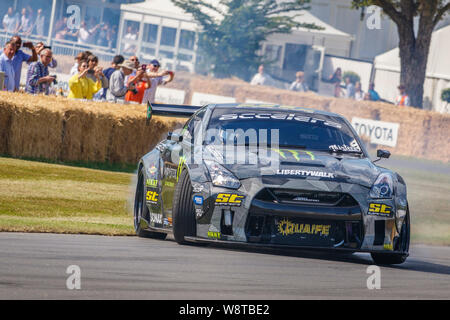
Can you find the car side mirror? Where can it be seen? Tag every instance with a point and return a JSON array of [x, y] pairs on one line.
[[382, 154]]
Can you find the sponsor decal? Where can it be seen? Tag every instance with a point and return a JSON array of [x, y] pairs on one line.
[[167, 221], [156, 218], [198, 200], [305, 199], [199, 212], [353, 147], [294, 153], [152, 170], [306, 173], [277, 116], [180, 166], [286, 228], [169, 184], [151, 183], [379, 132], [152, 197], [214, 234], [379, 209], [229, 199]]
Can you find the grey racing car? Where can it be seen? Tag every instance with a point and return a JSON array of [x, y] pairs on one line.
[[273, 176]]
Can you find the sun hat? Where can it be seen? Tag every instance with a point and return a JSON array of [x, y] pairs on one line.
[[128, 64]]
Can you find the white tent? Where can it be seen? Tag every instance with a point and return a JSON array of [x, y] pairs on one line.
[[387, 72]]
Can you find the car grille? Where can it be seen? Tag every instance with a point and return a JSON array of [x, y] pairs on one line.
[[320, 198]]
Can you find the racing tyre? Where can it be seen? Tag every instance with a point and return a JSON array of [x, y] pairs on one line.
[[402, 244], [141, 210], [184, 224]]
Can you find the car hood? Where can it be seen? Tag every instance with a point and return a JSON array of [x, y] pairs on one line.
[[298, 164]]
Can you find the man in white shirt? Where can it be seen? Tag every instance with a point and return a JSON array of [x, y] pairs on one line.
[[299, 84], [6, 66], [262, 78], [25, 22], [39, 23], [10, 21], [156, 80]]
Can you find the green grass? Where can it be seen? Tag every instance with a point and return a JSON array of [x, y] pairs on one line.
[[43, 197], [46, 197], [429, 203]]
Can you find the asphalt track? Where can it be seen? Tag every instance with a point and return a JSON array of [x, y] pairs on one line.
[[33, 266]]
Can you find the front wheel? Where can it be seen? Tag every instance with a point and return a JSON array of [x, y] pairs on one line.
[[141, 210], [184, 224], [402, 245]]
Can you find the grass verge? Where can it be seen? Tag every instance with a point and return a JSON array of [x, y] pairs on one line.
[[44, 197]]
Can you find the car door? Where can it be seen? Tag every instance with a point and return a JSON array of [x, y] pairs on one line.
[[174, 157]]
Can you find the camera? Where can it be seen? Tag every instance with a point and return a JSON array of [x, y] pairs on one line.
[[54, 80], [133, 89]]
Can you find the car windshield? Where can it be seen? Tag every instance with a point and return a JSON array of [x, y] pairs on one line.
[[295, 130]]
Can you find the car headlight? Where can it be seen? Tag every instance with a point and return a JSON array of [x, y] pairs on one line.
[[220, 176], [383, 188]]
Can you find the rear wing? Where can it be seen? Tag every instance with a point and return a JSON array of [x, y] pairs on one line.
[[170, 110]]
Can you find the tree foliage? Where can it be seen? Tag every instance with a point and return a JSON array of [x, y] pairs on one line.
[[414, 46], [233, 31]]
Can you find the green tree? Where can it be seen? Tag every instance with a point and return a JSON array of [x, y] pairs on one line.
[[414, 48], [233, 31]]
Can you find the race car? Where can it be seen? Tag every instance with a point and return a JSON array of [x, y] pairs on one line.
[[272, 176]]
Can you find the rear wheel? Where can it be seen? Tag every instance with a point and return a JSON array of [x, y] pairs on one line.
[[184, 224], [141, 210], [400, 244]]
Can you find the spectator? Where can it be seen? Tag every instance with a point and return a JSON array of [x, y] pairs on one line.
[[85, 35], [6, 66], [81, 86], [20, 57], [117, 60], [39, 23], [336, 79], [299, 84], [350, 88], [95, 71], [261, 78], [156, 80], [39, 47], [374, 96], [136, 94], [117, 86], [103, 34], [38, 80], [25, 23], [403, 98], [80, 56], [11, 21], [359, 94], [130, 38], [367, 97]]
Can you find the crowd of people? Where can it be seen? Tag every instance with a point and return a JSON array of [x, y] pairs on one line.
[[351, 89], [125, 81], [30, 22], [25, 23]]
